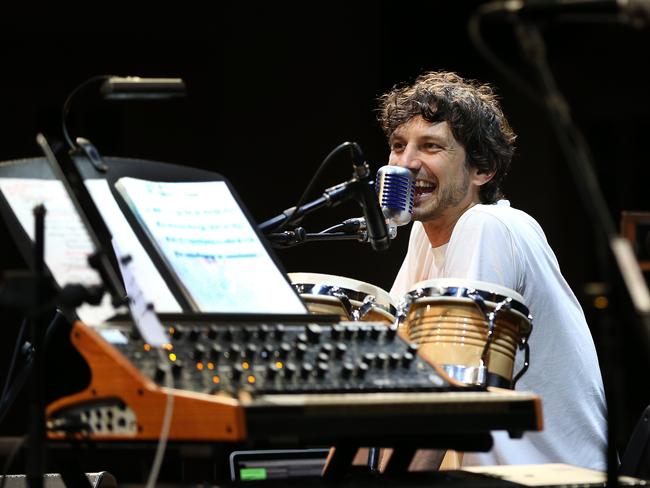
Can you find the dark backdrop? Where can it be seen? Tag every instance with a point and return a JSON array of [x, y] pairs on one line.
[[273, 89]]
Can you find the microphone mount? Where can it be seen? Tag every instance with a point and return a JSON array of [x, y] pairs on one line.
[[353, 229], [331, 197]]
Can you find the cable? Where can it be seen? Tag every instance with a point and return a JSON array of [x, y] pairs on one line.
[[334, 228], [166, 426], [11, 391], [313, 180], [68, 103], [474, 31], [14, 357]]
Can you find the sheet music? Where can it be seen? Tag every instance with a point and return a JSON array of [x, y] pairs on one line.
[[126, 242], [67, 244], [140, 302], [203, 234]]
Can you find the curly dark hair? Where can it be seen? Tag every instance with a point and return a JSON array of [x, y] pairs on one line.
[[474, 116]]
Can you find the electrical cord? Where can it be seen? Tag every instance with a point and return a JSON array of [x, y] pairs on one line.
[[314, 179], [14, 357], [165, 428], [474, 31]]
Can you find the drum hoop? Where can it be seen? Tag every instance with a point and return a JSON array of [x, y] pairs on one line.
[[464, 292], [353, 295]]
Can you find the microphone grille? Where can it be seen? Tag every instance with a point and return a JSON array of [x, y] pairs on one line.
[[396, 191]]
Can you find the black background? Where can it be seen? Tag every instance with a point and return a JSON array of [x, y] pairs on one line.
[[274, 88]]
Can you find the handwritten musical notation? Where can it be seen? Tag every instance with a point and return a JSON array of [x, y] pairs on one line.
[[67, 243], [204, 236]]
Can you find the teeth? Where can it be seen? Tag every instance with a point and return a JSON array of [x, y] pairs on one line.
[[424, 184]]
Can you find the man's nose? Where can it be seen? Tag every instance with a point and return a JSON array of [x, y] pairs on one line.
[[409, 158]]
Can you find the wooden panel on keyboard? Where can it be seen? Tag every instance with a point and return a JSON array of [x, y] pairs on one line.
[[127, 396]]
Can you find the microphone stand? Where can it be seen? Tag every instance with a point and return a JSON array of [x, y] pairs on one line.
[[297, 236], [331, 198], [36, 461], [33, 294], [609, 243]]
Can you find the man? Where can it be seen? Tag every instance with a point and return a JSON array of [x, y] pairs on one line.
[[453, 136]]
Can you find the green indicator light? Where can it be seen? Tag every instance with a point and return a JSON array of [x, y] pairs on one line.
[[248, 474]]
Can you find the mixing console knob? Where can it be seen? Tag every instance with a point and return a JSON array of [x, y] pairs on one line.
[[263, 331], [413, 348], [177, 368], [394, 359], [382, 360], [271, 371], [267, 351], [347, 370], [229, 333], [327, 348], [278, 332], [391, 332], [237, 372], [289, 370], [362, 333], [215, 352], [369, 358], [179, 330], [407, 359], [302, 338], [322, 357], [159, 376], [213, 331], [234, 352], [322, 369], [251, 351], [349, 331], [246, 333], [337, 330], [313, 333], [362, 369], [306, 370], [284, 350], [195, 332], [199, 352], [340, 350], [301, 349], [376, 331]]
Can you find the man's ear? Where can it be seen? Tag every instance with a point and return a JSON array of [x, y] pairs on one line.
[[481, 177]]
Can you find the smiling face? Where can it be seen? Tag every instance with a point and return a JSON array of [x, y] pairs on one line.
[[445, 185]]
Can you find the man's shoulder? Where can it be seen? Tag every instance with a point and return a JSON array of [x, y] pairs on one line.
[[502, 219], [501, 211]]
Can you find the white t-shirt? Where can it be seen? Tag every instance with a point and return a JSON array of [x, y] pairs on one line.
[[505, 246]]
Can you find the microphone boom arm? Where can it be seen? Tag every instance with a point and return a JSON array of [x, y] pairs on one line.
[[331, 197]]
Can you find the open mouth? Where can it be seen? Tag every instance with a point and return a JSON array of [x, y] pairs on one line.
[[424, 187]]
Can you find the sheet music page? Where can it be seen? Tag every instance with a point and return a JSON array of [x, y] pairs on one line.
[[67, 244], [207, 240], [126, 243]]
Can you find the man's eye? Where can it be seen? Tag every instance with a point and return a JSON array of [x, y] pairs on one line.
[[431, 146], [396, 146]]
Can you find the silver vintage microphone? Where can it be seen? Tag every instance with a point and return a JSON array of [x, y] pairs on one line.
[[395, 187], [395, 190]]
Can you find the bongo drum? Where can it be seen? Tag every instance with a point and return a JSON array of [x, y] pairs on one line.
[[472, 329], [346, 297]]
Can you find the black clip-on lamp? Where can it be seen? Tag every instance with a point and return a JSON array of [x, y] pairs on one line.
[[118, 88]]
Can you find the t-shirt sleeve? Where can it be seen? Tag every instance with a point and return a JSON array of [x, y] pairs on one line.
[[482, 248]]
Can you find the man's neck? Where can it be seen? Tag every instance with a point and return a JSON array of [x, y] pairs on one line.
[[439, 230]]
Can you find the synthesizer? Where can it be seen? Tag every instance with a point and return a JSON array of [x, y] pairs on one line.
[[286, 380]]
